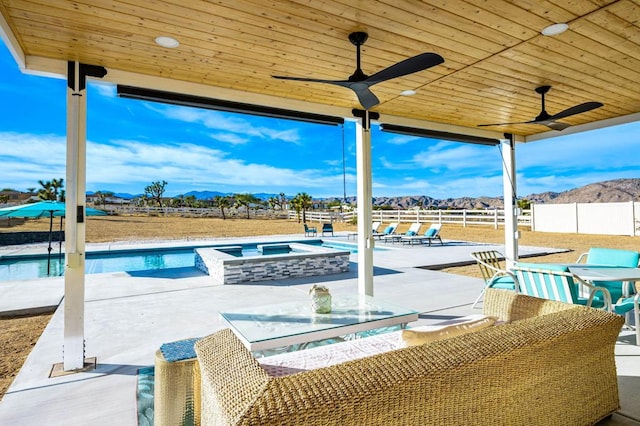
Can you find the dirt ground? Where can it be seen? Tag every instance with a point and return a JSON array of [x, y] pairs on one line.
[[18, 335]]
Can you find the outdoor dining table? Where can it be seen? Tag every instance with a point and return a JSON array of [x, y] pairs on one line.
[[593, 273]]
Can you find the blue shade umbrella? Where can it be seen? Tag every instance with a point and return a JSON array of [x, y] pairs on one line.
[[45, 209]]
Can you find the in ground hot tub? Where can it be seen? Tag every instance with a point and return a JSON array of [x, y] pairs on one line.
[[228, 265]]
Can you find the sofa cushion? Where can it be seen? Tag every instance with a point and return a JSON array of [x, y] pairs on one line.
[[325, 356], [504, 282], [328, 355], [419, 337]]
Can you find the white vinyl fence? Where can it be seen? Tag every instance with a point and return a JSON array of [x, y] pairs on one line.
[[581, 218], [588, 218], [494, 218]]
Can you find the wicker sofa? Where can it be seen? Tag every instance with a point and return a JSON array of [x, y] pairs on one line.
[[551, 364]]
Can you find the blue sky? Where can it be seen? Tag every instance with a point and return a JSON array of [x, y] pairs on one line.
[[131, 144]]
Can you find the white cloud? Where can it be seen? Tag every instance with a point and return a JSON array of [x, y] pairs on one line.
[[133, 164], [443, 170], [230, 138], [225, 122], [401, 139], [442, 187], [333, 163], [454, 156], [108, 90], [27, 158]]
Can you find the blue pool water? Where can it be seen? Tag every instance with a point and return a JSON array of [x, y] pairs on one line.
[[30, 267]]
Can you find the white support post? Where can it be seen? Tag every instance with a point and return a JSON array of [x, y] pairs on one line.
[[365, 233], [511, 232], [73, 352]]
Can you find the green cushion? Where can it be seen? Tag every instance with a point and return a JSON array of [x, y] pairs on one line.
[[613, 257], [624, 306], [431, 232], [596, 303], [545, 266], [504, 282]]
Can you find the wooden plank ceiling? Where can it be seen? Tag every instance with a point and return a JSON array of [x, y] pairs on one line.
[[494, 53]]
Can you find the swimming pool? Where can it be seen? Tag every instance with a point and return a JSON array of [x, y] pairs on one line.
[[31, 267]]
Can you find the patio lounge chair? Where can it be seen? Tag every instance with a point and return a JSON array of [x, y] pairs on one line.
[[412, 231], [612, 257], [433, 233], [389, 230], [327, 227], [555, 282], [308, 230], [494, 275], [374, 230]]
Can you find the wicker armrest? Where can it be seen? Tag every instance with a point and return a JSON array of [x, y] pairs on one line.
[[510, 306], [231, 378]]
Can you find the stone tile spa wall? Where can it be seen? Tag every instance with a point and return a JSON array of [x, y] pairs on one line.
[[309, 261]]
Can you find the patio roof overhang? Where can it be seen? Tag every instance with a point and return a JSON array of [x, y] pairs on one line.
[[495, 55]]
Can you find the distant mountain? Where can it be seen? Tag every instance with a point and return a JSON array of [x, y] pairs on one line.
[[618, 190], [124, 195], [207, 195], [611, 191]]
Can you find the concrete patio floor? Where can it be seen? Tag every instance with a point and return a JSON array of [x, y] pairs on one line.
[[129, 315]]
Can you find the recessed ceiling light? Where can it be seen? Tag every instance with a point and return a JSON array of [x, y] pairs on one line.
[[168, 42], [408, 92], [555, 29]]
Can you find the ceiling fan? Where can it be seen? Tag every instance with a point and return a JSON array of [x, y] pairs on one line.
[[359, 82], [550, 120]]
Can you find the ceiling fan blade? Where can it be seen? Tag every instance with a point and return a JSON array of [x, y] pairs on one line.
[[365, 96], [550, 120], [406, 67], [360, 83], [553, 125], [578, 109]]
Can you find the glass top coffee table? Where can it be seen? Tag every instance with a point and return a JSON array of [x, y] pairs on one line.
[[286, 324]]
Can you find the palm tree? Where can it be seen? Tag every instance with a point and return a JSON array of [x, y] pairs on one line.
[[246, 200], [222, 203], [46, 192], [297, 205], [306, 203], [58, 192]]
